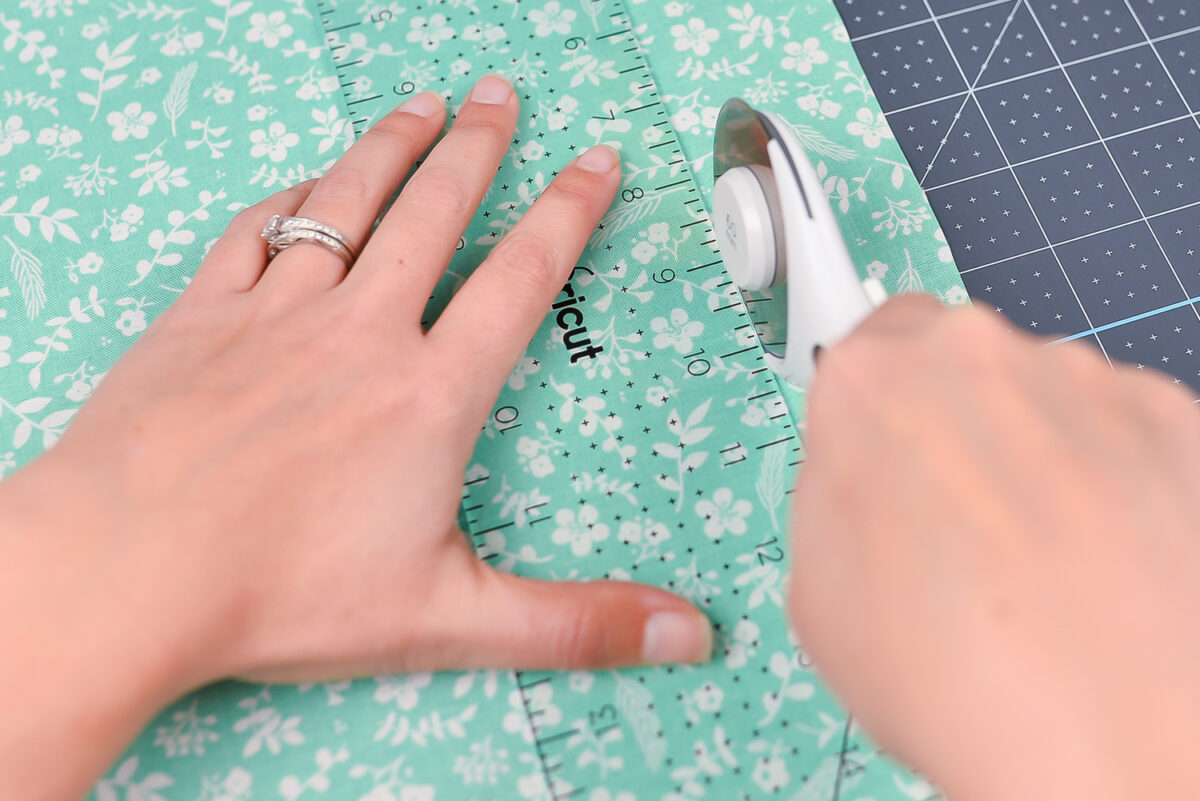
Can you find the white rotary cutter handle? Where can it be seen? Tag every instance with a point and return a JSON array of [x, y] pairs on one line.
[[775, 227]]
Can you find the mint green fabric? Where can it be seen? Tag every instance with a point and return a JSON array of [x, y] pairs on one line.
[[130, 133]]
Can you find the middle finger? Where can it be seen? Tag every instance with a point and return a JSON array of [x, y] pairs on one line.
[[418, 236]]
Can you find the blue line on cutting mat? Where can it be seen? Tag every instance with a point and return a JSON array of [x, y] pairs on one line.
[[1132, 319]]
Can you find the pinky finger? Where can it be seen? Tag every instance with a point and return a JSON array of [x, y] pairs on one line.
[[237, 260]]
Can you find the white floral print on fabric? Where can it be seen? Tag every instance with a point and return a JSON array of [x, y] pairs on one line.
[[132, 131]]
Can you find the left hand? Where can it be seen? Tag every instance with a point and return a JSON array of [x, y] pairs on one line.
[[272, 473]]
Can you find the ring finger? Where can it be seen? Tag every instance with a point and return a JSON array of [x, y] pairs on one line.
[[350, 196]]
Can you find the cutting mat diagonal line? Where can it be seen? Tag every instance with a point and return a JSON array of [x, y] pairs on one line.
[[970, 89]]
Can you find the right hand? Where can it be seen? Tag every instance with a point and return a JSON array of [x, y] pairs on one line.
[[997, 558]]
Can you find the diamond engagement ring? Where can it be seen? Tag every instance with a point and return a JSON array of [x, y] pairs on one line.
[[283, 232]]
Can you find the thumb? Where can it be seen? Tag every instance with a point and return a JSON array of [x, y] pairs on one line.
[[526, 623]]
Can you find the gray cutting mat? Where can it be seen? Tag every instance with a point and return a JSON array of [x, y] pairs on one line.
[[1059, 146]]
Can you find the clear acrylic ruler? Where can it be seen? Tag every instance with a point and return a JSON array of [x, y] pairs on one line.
[[641, 437], [649, 443]]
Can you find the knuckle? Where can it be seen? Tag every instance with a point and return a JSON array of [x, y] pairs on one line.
[[576, 193], [440, 189], [530, 257], [344, 186], [484, 120], [252, 217], [581, 639], [399, 129]]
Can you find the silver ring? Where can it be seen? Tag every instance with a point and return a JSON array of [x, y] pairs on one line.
[[282, 232]]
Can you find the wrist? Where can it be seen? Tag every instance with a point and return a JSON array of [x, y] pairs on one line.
[[102, 640]]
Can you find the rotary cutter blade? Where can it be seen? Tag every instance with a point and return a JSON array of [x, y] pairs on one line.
[[781, 244]]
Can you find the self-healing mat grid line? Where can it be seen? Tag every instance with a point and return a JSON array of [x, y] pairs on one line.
[[1057, 143]]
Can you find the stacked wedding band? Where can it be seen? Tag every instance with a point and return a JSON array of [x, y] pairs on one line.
[[283, 232]]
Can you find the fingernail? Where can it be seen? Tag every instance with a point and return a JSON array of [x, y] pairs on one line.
[[676, 637], [425, 104], [600, 158], [491, 89]]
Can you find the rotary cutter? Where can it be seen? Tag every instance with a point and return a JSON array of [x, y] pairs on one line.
[[775, 227]]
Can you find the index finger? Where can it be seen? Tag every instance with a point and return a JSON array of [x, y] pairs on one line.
[[489, 323], [899, 316]]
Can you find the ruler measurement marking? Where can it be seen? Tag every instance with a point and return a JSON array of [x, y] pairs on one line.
[[562, 735], [557, 773]]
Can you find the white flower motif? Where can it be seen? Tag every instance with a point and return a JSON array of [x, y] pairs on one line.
[[579, 530], [724, 513], [563, 113], [525, 367], [90, 262], [659, 233], [815, 104], [532, 150], [78, 391], [268, 28], [695, 36], [540, 696], [552, 19], [430, 31], [801, 56], [686, 119], [708, 697], [130, 122], [11, 134], [676, 332], [639, 531], [181, 44], [131, 321], [237, 783], [754, 415], [580, 681], [643, 251], [770, 773], [150, 75], [877, 269], [256, 113], [955, 296], [272, 142], [30, 173], [674, 9], [132, 214], [404, 689], [742, 644], [871, 127]]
